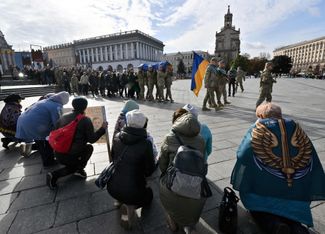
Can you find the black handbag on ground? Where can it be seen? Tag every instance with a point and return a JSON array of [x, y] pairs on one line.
[[228, 212], [108, 172]]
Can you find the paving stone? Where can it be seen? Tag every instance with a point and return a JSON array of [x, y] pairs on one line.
[[17, 172], [105, 223], [29, 182], [6, 221], [72, 210], [65, 229], [100, 166], [8, 186], [152, 217], [5, 202], [33, 197], [101, 202], [34, 219], [90, 169], [319, 217], [220, 170], [74, 186], [99, 157], [221, 155]]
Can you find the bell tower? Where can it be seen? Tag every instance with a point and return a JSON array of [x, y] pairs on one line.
[[228, 19]]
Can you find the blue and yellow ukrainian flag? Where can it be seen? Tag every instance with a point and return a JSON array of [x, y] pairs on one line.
[[198, 70]]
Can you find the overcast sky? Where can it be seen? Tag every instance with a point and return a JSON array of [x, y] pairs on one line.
[[182, 25]]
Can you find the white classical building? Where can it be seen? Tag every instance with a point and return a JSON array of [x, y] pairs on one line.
[[186, 57], [305, 55], [119, 51]]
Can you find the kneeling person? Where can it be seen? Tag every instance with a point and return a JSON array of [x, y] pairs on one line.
[[76, 160]]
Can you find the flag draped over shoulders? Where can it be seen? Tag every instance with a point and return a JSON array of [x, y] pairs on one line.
[[198, 70], [277, 159]]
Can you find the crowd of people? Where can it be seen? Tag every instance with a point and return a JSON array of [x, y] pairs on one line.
[[277, 173], [107, 83]]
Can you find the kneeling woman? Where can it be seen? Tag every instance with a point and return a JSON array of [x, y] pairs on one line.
[[128, 183], [278, 173], [181, 211]]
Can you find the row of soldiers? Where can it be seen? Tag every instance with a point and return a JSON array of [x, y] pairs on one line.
[[215, 81], [127, 84]]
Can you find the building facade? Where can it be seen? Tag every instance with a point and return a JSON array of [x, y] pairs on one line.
[[227, 45], [118, 51], [187, 57], [306, 56], [61, 55], [7, 59]]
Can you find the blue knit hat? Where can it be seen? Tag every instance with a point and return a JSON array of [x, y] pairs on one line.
[[129, 106]]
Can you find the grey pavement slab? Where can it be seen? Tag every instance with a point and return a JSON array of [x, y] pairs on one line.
[[78, 206], [33, 220], [70, 228], [6, 201], [74, 209], [29, 182], [6, 220], [33, 197]]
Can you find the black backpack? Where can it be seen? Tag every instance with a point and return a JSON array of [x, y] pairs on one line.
[[186, 174], [228, 212]]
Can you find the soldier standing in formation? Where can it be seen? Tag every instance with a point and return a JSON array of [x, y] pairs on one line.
[[232, 81], [161, 77], [266, 84], [168, 84], [222, 80], [152, 78], [141, 82], [239, 78], [210, 83]]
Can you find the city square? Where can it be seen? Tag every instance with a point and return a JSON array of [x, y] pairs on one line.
[[145, 116], [28, 206]]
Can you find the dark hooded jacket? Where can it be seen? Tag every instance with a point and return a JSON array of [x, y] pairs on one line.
[[128, 182]]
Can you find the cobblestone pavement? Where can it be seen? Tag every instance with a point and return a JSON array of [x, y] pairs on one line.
[[27, 205]]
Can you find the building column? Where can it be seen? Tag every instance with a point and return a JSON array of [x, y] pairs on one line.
[[115, 51], [96, 54], [132, 51], [126, 51], [121, 51], [88, 55], [101, 54], [84, 56], [106, 53], [92, 55], [138, 51], [110, 53]]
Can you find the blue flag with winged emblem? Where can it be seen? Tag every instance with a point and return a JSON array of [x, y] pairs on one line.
[[277, 159]]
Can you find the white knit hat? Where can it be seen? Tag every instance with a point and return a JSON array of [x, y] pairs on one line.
[[191, 109], [135, 119]]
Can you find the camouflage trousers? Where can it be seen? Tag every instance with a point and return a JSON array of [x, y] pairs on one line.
[[264, 94], [209, 96]]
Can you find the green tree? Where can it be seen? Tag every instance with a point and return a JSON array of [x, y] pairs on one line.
[[241, 61], [256, 65], [181, 67], [281, 64]]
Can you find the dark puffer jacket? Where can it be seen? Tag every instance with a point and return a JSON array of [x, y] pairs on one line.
[[128, 183], [84, 132]]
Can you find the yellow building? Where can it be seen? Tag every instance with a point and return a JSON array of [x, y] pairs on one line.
[[306, 56]]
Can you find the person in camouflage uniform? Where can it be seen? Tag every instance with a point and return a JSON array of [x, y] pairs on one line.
[[161, 77], [168, 83], [222, 80], [141, 81], [266, 85], [152, 77], [239, 79], [210, 83], [232, 73], [74, 84]]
